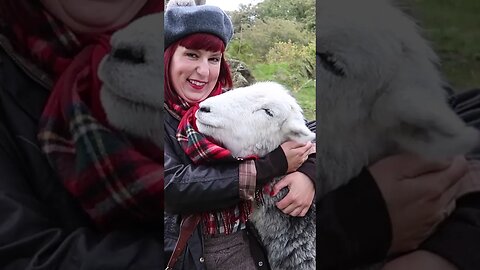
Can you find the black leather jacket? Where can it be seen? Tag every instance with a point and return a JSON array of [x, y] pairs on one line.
[[41, 226]]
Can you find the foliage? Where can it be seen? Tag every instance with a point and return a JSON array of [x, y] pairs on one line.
[[454, 29], [244, 17], [301, 11], [254, 42], [276, 39], [301, 58]]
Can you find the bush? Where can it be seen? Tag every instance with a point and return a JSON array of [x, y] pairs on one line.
[[253, 43], [300, 58]]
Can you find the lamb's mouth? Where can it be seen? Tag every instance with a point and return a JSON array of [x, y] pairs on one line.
[[208, 125], [130, 102]]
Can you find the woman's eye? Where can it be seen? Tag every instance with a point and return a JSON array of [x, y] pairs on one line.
[[191, 55], [215, 59], [268, 112]]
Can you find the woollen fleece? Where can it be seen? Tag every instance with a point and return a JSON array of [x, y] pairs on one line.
[[181, 21]]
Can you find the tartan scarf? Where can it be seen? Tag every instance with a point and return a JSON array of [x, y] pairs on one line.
[[118, 181], [198, 147], [202, 150]]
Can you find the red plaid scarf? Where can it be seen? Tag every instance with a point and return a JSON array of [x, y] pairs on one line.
[[203, 150], [117, 181]]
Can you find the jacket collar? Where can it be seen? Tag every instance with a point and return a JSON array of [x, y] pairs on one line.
[[30, 69], [27, 84]]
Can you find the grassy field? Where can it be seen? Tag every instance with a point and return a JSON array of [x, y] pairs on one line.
[[453, 27]]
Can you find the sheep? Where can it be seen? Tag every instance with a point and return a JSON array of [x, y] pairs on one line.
[[254, 120], [378, 91]]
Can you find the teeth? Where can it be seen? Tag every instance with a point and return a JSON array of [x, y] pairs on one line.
[[196, 83]]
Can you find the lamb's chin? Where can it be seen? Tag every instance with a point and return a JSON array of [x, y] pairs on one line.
[[205, 129]]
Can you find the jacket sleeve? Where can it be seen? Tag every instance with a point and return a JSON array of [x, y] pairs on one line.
[[353, 225], [31, 237], [191, 188]]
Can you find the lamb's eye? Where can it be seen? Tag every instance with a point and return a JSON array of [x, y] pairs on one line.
[[268, 112], [328, 61], [135, 56]]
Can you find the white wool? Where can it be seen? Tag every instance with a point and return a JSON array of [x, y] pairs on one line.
[[253, 120], [180, 3]]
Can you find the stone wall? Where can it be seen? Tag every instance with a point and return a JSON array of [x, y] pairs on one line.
[[241, 75]]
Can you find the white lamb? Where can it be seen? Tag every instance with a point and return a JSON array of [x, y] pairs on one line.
[[254, 120], [378, 91]]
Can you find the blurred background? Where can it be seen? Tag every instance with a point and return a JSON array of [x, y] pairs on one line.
[[453, 27]]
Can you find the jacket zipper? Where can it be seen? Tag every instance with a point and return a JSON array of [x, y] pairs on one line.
[[30, 70]]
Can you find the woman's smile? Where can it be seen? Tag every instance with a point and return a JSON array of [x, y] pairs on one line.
[[197, 85]]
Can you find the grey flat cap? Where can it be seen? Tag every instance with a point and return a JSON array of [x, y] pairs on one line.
[[181, 21]]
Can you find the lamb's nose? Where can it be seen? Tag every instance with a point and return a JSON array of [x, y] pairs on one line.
[[129, 54], [205, 109]]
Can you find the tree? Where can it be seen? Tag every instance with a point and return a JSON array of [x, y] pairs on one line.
[[302, 11], [255, 41], [244, 17]]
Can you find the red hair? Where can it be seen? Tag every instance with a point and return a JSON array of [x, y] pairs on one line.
[[198, 41]]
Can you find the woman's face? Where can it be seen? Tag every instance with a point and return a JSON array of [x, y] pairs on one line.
[[194, 73], [93, 16]]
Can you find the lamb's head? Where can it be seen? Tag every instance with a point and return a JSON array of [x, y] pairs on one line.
[[132, 76], [253, 120]]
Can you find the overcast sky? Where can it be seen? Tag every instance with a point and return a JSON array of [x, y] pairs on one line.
[[230, 4]]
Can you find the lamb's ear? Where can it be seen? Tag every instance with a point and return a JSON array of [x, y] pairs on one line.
[[431, 130], [298, 131]]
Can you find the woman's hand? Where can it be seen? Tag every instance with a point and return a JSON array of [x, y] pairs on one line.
[[419, 259], [299, 197], [296, 153], [419, 194]]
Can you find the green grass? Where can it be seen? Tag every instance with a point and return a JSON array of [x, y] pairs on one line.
[[453, 27], [303, 89], [306, 99]]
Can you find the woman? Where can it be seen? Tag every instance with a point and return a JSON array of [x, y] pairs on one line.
[[46, 220], [195, 68]]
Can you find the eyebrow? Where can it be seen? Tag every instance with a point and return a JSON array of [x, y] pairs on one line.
[[199, 51]]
